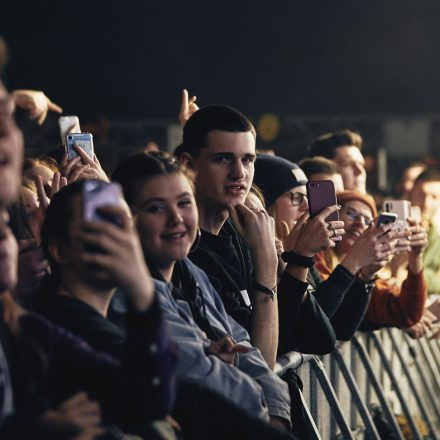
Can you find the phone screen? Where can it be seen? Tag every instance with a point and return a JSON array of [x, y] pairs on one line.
[[321, 194]]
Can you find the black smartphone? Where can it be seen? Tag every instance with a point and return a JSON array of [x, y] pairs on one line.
[[386, 218], [321, 194]]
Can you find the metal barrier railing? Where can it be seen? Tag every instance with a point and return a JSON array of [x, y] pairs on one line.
[[398, 375]]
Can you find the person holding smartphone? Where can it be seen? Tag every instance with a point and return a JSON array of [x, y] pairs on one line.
[[365, 249], [284, 187]]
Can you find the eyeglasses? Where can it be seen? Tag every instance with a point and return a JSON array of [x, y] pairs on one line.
[[297, 198], [356, 215]]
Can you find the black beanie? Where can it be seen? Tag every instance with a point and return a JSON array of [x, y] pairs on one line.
[[275, 175]]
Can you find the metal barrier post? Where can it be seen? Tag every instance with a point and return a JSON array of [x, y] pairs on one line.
[[396, 387], [430, 362], [423, 377], [365, 359], [326, 386], [412, 385], [356, 396]]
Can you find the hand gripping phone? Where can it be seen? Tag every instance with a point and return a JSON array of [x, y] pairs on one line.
[[83, 140], [402, 209], [321, 194]]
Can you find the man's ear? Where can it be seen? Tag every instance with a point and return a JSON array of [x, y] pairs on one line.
[[187, 160], [56, 252]]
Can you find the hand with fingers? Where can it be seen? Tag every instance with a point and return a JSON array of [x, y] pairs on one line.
[[120, 254], [371, 251], [36, 103], [80, 412], [312, 235], [82, 167], [227, 349], [257, 228], [424, 326], [187, 107]]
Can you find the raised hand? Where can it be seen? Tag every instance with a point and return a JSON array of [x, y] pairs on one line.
[[187, 107], [36, 103], [370, 251], [120, 254]]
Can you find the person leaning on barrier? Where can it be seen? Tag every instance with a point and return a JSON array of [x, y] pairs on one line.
[[365, 249], [303, 324], [280, 182], [237, 246], [215, 350]]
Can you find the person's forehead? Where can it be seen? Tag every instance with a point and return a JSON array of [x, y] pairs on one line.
[[238, 143], [432, 187], [298, 189], [360, 207], [349, 152]]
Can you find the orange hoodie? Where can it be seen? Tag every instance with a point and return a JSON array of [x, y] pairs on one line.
[[389, 304]]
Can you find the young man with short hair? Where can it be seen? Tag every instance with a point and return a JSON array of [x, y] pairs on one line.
[[345, 148], [237, 246]]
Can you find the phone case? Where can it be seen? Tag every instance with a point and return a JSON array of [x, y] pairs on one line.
[[386, 218], [83, 140], [321, 194], [96, 194], [68, 124]]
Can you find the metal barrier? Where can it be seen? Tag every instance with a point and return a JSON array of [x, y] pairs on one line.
[[382, 372]]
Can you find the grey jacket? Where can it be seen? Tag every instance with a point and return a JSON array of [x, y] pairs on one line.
[[251, 385]]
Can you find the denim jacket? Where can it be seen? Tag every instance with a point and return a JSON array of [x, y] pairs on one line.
[[251, 385]]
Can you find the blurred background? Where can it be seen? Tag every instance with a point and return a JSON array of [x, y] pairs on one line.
[[297, 69]]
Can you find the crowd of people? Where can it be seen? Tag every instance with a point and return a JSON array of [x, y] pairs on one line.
[[164, 317]]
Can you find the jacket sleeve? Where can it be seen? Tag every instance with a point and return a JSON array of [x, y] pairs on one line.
[[275, 390], [207, 370], [351, 312], [331, 292], [136, 390], [303, 324], [402, 307]]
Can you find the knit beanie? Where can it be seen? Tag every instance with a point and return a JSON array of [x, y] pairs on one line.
[[346, 196], [275, 175]]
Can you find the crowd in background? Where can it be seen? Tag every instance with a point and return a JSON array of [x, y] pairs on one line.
[[164, 316]]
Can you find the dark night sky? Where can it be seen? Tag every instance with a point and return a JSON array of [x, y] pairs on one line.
[[129, 59]]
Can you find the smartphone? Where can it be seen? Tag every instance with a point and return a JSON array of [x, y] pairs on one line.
[[416, 214], [68, 124], [321, 194], [400, 207], [386, 218], [96, 194], [83, 140]]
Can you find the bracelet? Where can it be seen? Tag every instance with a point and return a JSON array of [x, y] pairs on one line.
[[299, 260], [265, 290], [366, 280]]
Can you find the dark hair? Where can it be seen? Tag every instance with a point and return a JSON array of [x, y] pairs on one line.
[[207, 119], [142, 166], [317, 164], [431, 174], [58, 214], [326, 144]]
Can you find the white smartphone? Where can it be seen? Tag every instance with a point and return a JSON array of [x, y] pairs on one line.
[[402, 209], [68, 124]]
